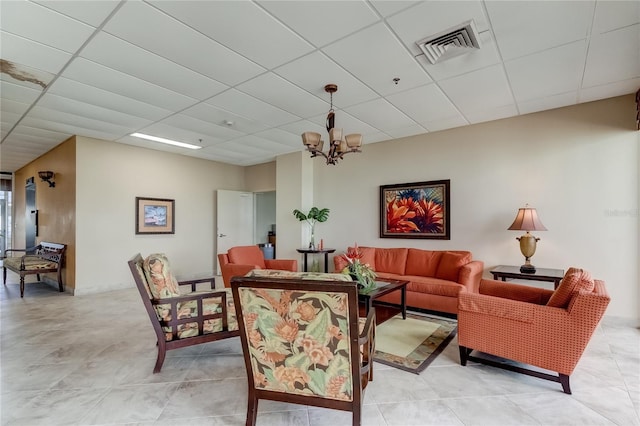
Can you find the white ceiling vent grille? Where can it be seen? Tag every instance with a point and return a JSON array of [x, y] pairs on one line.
[[449, 43]]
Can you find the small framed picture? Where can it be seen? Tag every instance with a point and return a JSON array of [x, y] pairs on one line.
[[415, 210], [155, 216]]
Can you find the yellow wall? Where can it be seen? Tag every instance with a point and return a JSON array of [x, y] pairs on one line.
[[56, 206]]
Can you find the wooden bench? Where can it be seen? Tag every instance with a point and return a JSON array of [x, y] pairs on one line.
[[43, 258]]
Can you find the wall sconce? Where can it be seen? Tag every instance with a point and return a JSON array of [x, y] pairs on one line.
[[47, 176]]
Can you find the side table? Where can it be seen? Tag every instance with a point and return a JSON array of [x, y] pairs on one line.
[[326, 252], [541, 274]]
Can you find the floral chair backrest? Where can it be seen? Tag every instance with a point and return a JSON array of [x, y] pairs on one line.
[[299, 341], [159, 278]]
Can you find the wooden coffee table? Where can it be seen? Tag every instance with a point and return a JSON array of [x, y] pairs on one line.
[[385, 286]]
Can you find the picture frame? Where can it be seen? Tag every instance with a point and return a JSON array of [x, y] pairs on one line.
[[155, 216], [416, 210]]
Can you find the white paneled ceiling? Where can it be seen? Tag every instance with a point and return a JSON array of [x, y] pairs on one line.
[[244, 79]]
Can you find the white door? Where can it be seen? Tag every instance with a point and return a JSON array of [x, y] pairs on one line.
[[235, 221]]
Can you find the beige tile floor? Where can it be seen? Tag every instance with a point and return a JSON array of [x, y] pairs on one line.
[[88, 360]]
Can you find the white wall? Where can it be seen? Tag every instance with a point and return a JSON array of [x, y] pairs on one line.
[[109, 178], [578, 166]]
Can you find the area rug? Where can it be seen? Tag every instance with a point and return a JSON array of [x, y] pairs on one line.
[[412, 344]]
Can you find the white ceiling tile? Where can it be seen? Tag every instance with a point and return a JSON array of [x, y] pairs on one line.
[[283, 137], [22, 51], [524, 27], [611, 15], [349, 122], [90, 12], [16, 107], [77, 128], [8, 120], [390, 7], [403, 132], [32, 21], [206, 112], [108, 79], [236, 146], [241, 26], [299, 127], [284, 95], [490, 114], [433, 17], [376, 57], [613, 56], [215, 132], [379, 111], [445, 123], [610, 90], [321, 22], [312, 72], [549, 102], [27, 77], [92, 95], [424, 104], [247, 106], [376, 137], [40, 134], [54, 115], [266, 145], [168, 131], [484, 89], [83, 109], [547, 73], [17, 92], [475, 59], [169, 38], [119, 55]]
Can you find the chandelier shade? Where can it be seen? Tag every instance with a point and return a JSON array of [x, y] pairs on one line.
[[339, 144]]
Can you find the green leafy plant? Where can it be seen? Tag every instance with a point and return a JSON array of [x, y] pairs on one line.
[[315, 215]]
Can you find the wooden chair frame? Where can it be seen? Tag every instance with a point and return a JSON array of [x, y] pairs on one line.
[[362, 346], [135, 265]]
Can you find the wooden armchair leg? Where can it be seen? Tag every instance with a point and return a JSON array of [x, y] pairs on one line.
[[162, 351], [252, 410], [21, 286], [4, 276], [464, 352]]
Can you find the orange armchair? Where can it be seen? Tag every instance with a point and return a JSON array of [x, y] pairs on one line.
[[535, 326], [242, 259]]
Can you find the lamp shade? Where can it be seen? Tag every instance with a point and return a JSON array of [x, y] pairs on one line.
[[527, 220]]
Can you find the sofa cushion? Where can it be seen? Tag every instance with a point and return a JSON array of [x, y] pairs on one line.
[[574, 281], [160, 280], [422, 262], [450, 264], [246, 255], [368, 256], [392, 260], [434, 286]]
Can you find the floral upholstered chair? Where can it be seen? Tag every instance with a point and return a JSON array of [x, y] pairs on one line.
[[531, 325], [181, 320], [304, 343]]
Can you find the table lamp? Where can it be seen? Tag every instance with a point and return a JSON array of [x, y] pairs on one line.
[[527, 220]]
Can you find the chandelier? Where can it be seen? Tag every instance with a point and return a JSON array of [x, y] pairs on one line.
[[338, 146]]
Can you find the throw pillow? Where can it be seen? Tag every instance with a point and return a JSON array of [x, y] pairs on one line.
[[159, 278], [450, 264], [574, 280]]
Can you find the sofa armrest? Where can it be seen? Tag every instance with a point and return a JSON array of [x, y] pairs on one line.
[[231, 270], [520, 292], [282, 264], [496, 307], [470, 275], [339, 263]]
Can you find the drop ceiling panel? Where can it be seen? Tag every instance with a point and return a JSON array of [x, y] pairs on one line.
[[312, 72], [247, 106], [217, 133], [547, 73], [8, 120], [27, 52], [379, 113], [28, 77], [292, 140], [611, 15], [108, 79], [81, 92], [554, 23], [388, 8], [445, 123], [75, 120], [489, 114], [284, 95], [266, 145], [425, 104], [119, 55], [17, 92], [41, 134], [241, 26], [403, 132], [178, 134], [32, 21], [376, 57], [549, 102], [206, 112], [8, 105], [611, 89], [613, 56], [85, 110], [479, 90], [171, 39], [69, 129], [322, 22], [92, 13]]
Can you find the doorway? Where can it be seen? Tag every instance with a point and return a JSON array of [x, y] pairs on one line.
[[6, 205], [31, 214]]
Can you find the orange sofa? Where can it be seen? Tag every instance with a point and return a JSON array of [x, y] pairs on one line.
[[241, 259], [436, 277]]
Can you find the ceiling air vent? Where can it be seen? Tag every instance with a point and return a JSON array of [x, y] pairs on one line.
[[449, 43]]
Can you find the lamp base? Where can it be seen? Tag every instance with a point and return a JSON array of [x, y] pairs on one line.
[[528, 268]]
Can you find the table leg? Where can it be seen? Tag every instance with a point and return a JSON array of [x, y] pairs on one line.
[[305, 262], [403, 301], [326, 262]]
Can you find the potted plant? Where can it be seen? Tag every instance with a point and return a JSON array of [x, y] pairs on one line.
[[314, 215]]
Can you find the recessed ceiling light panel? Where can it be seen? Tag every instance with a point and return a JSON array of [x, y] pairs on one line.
[[163, 140]]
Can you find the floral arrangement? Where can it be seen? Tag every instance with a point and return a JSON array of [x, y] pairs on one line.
[[360, 272]]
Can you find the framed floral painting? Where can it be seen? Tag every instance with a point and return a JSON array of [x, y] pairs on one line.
[[155, 216], [415, 210]]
